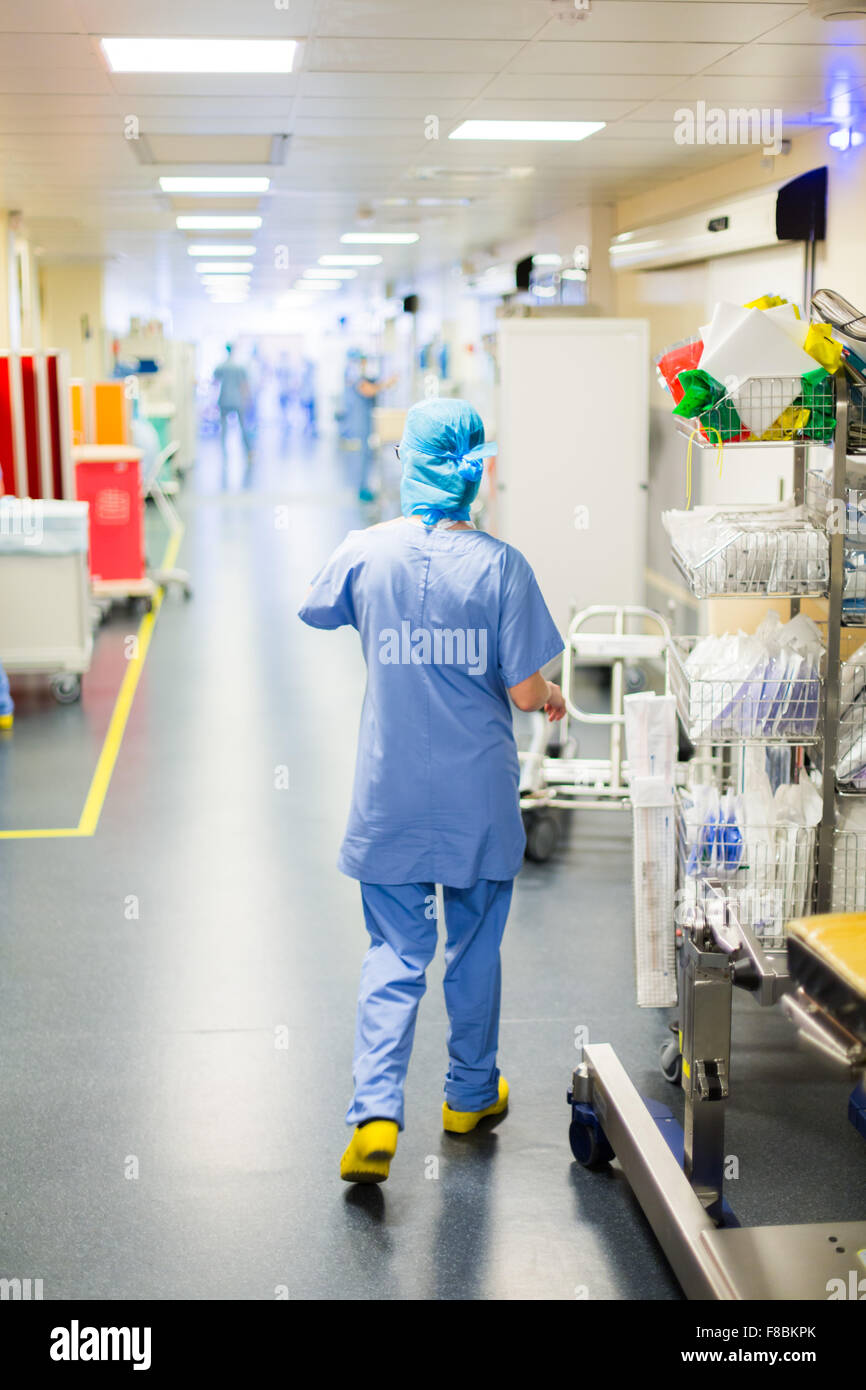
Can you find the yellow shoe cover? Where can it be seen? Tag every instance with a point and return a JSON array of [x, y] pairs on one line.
[[371, 1148], [6, 721], [462, 1121]]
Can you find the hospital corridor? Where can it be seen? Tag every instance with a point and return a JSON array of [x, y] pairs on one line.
[[432, 672]]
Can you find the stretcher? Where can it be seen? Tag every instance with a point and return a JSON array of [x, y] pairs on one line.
[[550, 781], [677, 1173]]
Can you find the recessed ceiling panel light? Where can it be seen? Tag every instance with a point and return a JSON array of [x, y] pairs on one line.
[[224, 267], [526, 130], [214, 184], [379, 238], [241, 222], [204, 249], [199, 55], [350, 260]]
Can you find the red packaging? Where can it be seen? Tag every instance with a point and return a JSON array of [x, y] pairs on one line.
[[113, 489], [676, 360]]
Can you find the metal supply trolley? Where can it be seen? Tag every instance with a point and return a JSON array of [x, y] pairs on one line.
[[729, 937], [551, 781], [677, 1174]]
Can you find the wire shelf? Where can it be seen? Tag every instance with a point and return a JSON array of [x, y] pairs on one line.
[[851, 750], [851, 506], [762, 411], [760, 710], [751, 558], [767, 879], [857, 419], [849, 871]]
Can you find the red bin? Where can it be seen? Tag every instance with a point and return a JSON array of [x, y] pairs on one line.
[[108, 477]]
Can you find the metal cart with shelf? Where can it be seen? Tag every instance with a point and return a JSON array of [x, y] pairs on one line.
[[551, 781], [678, 1174]]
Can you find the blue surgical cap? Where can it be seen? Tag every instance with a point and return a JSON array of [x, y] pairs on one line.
[[442, 452]]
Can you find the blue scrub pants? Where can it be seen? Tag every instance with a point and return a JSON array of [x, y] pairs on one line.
[[7, 705], [401, 920], [246, 433]]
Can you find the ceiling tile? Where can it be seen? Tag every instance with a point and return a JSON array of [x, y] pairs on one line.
[[394, 84], [590, 57], [215, 18], [408, 55], [447, 19], [674, 21], [520, 86]]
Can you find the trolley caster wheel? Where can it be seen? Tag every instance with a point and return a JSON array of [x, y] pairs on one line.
[[589, 1145], [141, 604], [671, 1061], [66, 689], [542, 835]]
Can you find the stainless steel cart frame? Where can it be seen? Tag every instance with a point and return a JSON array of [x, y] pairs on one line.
[[592, 784], [679, 1179]]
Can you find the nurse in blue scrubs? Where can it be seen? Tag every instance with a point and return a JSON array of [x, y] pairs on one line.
[[454, 632]]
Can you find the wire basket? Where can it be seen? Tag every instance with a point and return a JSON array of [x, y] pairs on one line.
[[857, 419], [751, 558], [760, 710], [849, 871], [848, 513], [851, 749], [768, 410], [767, 880]]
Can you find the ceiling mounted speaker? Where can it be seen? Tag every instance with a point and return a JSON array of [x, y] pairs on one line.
[[838, 9]]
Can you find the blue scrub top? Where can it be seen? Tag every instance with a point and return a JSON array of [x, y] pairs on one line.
[[448, 621]]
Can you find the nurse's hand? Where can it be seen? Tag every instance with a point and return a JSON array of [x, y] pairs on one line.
[[554, 706]]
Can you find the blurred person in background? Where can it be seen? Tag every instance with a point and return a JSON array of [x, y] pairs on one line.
[[366, 388], [234, 396]]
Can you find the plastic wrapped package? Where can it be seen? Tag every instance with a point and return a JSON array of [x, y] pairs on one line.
[[651, 743], [765, 685], [761, 847]]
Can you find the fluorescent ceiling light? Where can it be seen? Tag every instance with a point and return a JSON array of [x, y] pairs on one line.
[[224, 267], [208, 249], [332, 274], [379, 238], [199, 55], [233, 223], [547, 258], [575, 275], [526, 130], [216, 250], [216, 184], [350, 260], [318, 284]]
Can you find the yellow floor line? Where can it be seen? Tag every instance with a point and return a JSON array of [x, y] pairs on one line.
[[101, 779]]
